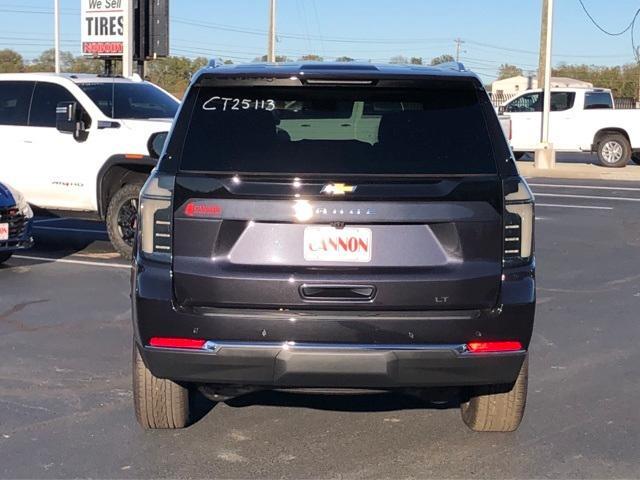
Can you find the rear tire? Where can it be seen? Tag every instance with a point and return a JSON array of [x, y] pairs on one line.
[[5, 256], [159, 403], [497, 408], [614, 150], [122, 218]]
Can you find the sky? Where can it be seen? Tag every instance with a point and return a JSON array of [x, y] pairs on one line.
[[494, 31]]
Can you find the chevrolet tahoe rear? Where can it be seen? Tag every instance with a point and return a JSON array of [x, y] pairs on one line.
[[334, 226]]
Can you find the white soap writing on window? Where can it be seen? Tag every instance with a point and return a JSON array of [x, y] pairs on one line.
[[225, 104]]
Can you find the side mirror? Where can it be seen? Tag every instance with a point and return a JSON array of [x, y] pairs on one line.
[[155, 145], [70, 119]]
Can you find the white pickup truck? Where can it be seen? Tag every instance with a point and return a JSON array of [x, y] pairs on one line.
[[75, 142], [581, 120]]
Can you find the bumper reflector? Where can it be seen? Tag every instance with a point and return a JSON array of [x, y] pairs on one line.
[[488, 347], [169, 342]]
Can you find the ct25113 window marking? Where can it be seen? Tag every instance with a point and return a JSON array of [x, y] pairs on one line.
[[227, 104]]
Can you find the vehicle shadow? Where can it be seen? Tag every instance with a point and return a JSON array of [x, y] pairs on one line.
[[352, 401], [586, 158]]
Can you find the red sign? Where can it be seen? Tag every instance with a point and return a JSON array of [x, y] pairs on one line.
[[102, 48]]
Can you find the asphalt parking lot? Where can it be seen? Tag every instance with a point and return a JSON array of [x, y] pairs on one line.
[[66, 403]]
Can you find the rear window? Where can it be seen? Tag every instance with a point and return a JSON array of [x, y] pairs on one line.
[[324, 130], [597, 100]]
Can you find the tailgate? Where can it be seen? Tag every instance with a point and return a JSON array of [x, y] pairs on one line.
[[284, 243]]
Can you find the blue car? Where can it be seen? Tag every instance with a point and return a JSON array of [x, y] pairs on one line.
[[16, 220]]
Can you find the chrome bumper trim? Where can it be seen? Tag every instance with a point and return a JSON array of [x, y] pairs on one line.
[[215, 347]]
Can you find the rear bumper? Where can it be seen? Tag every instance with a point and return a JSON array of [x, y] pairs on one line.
[[349, 366], [367, 349]]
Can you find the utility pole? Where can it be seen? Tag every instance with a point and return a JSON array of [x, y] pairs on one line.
[[459, 43], [56, 34], [127, 41], [271, 53], [637, 52], [543, 42], [545, 155]]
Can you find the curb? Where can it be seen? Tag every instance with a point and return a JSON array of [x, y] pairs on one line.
[[581, 171]]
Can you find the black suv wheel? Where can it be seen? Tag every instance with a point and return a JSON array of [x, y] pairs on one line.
[[159, 403], [497, 408], [5, 256], [122, 215]]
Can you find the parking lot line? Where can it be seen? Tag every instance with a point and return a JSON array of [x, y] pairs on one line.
[[586, 207], [590, 197], [74, 262], [63, 229], [586, 187]]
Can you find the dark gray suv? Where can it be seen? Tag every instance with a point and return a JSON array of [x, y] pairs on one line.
[[334, 225]]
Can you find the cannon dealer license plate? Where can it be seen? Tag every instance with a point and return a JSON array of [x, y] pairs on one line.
[[328, 244]]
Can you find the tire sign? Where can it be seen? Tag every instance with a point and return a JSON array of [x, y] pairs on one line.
[[102, 27]]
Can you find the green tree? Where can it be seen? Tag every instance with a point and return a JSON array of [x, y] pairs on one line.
[[311, 57], [11, 61], [279, 59], [507, 70], [86, 65], [45, 62], [399, 60], [622, 80], [174, 73], [416, 61], [344, 59], [442, 59]]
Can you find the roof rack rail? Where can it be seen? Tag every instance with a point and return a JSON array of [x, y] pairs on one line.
[[457, 66], [213, 63]]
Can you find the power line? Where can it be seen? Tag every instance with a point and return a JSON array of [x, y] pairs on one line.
[[628, 28], [315, 9], [612, 34]]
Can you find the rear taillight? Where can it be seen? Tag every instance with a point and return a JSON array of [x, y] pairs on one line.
[[518, 223], [155, 217], [177, 342], [494, 347]]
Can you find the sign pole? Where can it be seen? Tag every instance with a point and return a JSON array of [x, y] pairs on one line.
[[56, 34], [271, 53], [127, 40], [545, 154]]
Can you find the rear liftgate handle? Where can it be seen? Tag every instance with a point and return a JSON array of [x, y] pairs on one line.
[[338, 293]]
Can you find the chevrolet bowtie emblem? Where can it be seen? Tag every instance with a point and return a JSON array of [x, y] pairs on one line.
[[337, 189]]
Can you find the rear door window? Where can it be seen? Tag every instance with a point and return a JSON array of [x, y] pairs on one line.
[[131, 100], [561, 101], [409, 131], [46, 97], [14, 102]]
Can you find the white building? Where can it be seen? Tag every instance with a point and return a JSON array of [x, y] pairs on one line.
[[514, 85]]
